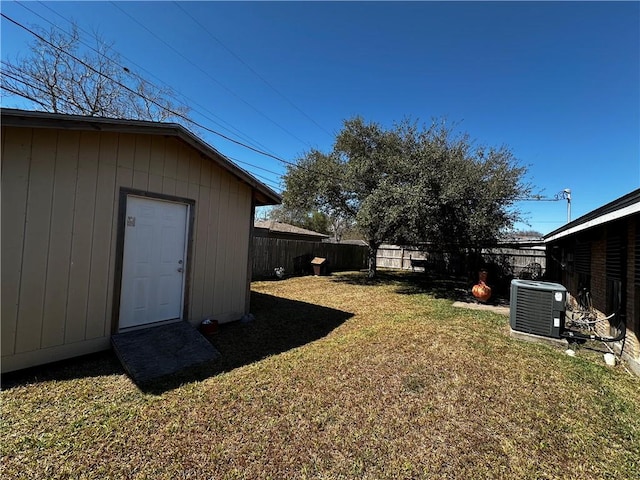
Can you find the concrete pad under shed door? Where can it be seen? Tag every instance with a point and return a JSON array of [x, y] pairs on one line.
[[151, 353], [153, 263]]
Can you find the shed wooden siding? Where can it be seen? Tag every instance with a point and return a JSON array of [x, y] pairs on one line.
[[60, 200]]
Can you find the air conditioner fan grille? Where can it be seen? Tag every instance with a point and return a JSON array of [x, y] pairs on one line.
[[534, 309]]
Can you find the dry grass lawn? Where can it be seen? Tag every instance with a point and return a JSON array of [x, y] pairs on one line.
[[337, 378]]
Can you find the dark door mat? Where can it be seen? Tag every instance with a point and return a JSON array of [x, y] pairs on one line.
[[155, 352]]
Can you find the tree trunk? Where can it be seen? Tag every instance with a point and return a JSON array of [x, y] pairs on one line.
[[373, 252]]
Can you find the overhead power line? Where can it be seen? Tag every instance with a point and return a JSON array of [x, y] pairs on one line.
[[195, 65], [230, 128], [561, 195], [255, 166], [269, 181], [130, 90], [237, 57], [200, 125], [152, 101], [23, 81]]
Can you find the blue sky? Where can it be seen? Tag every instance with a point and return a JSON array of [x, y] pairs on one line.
[[559, 83]]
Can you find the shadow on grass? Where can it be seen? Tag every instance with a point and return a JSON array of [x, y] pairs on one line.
[[409, 283], [98, 364], [280, 324], [414, 283]]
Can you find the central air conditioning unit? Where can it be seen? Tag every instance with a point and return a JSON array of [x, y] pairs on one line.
[[537, 308]]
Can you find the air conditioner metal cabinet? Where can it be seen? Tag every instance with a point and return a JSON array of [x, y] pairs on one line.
[[537, 307]]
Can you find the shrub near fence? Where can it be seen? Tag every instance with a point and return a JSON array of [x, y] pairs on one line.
[[295, 256]]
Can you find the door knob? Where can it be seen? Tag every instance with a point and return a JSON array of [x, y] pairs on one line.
[[180, 269]]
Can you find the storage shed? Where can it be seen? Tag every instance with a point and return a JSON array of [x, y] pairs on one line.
[[113, 225]]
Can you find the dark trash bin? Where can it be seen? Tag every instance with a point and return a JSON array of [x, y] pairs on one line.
[[302, 265]]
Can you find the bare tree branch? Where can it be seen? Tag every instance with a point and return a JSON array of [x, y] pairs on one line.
[[61, 77]]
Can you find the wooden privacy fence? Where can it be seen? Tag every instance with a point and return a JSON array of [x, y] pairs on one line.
[[393, 256], [518, 260], [413, 258], [296, 255], [513, 261]]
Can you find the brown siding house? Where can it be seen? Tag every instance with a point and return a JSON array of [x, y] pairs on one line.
[[110, 225], [600, 251]]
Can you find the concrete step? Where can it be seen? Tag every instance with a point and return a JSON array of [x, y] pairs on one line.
[[151, 353]]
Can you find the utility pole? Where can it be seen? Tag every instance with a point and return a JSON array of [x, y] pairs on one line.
[[567, 194]]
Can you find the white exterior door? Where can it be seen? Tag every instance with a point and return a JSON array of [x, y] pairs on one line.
[[153, 264]]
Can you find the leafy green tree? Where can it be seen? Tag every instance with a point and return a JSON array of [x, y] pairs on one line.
[[410, 184], [463, 196], [353, 183]]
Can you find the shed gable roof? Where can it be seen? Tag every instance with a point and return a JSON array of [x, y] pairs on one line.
[[27, 118]]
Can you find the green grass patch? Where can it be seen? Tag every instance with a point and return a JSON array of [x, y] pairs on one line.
[[338, 377]]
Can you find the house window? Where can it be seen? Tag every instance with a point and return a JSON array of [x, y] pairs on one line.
[[582, 263], [615, 264], [636, 310], [583, 258], [614, 295], [615, 255], [636, 281], [636, 250]]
